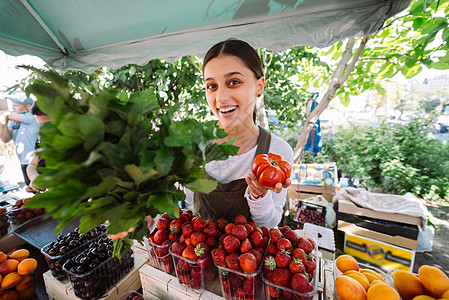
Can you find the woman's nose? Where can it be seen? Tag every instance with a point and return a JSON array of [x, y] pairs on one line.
[[222, 94]]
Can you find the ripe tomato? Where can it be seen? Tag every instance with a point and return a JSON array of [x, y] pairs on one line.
[[270, 169]]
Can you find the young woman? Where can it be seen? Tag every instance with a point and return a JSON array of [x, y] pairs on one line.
[[233, 78]]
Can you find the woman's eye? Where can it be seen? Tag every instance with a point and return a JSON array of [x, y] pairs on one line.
[[210, 86], [234, 82]]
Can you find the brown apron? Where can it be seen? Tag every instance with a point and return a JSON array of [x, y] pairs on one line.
[[227, 200]]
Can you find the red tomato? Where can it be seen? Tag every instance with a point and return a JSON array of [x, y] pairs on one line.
[[270, 169]]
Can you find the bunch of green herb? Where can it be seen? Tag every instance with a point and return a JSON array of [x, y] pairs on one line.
[[118, 158]]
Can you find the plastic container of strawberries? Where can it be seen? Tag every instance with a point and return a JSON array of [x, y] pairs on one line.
[[22, 288], [274, 291], [96, 282], [238, 285], [160, 256], [308, 212], [131, 295], [198, 275]]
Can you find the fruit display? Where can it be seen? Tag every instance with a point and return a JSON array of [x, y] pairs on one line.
[[4, 222], [19, 214], [67, 246], [191, 252], [354, 281], [310, 213], [158, 243], [271, 169], [17, 274], [131, 295], [239, 258], [94, 271], [290, 265], [430, 283]]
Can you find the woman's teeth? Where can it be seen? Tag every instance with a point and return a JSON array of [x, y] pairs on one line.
[[227, 109]]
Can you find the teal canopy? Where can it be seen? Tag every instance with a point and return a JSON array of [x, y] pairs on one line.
[[87, 34]]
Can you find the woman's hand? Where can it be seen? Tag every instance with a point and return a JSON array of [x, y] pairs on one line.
[[32, 188], [258, 191]]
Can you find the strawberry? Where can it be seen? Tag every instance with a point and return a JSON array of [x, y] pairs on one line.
[[221, 224], [199, 224], [211, 241], [265, 231], [177, 248], [245, 246], [183, 266], [234, 281], [239, 294], [249, 286], [282, 276], [284, 244], [283, 259], [299, 253], [296, 266], [291, 236], [162, 251], [187, 242], [187, 229], [253, 224], [175, 226], [204, 262], [210, 231], [275, 235], [184, 218], [305, 244], [166, 216], [184, 279], [239, 231], [195, 284], [269, 263], [197, 274], [232, 261], [201, 250], [310, 265], [211, 223], [300, 283], [218, 256], [264, 242], [173, 236], [162, 223], [256, 238], [249, 228], [229, 227], [240, 219], [231, 243], [272, 248], [160, 236], [189, 253], [221, 238], [182, 239], [272, 291], [197, 237], [285, 228], [257, 254], [248, 262]]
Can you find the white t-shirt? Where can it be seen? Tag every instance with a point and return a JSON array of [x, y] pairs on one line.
[[266, 211]]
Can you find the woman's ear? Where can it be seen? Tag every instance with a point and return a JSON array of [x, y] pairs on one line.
[[260, 86]]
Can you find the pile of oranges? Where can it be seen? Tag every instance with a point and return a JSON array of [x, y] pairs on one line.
[[430, 284], [357, 283], [360, 283]]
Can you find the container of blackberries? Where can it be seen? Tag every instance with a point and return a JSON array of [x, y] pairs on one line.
[[308, 212], [131, 295], [69, 245], [94, 271], [4, 222]]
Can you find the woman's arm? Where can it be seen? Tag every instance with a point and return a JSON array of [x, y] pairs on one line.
[[5, 131], [33, 173]]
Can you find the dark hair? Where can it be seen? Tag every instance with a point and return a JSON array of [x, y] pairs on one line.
[[239, 49], [36, 111]]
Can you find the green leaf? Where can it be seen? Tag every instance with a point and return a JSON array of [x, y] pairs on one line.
[[202, 185], [163, 161], [162, 202], [105, 186], [418, 23], [440, 65], [137, 175]]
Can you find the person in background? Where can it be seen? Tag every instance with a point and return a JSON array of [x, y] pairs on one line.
[[233, 78], [36, 162], [22, 127]]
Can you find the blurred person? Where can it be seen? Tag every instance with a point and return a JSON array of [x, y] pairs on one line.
[[21, 127], [36, 161]]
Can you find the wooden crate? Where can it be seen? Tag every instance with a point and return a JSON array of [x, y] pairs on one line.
[[131, 282], [159, 285]]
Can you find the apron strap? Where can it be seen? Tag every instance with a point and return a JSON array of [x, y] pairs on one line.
[[263, 142]]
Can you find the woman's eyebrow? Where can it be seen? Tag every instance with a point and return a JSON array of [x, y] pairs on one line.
[[227, 75]]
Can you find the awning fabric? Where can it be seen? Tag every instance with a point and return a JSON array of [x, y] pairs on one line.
[[87, 34]]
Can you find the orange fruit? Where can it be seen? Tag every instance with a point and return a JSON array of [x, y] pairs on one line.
[[433, 279], [349, 288], [382, 291], [346, 262], [3, 257], [408, 284], [423, 297], [445, 295], [359, 277], [371, 275]]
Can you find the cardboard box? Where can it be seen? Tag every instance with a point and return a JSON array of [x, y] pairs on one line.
[[300, 191], [349, 207], [315, 174], [394, 239], [379, 253]]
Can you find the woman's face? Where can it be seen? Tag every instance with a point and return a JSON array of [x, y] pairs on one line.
[[231, 89]]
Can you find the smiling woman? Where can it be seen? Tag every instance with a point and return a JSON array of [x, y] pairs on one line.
[[233, 79]]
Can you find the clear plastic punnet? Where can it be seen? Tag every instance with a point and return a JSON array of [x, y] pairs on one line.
[[160, 256]]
